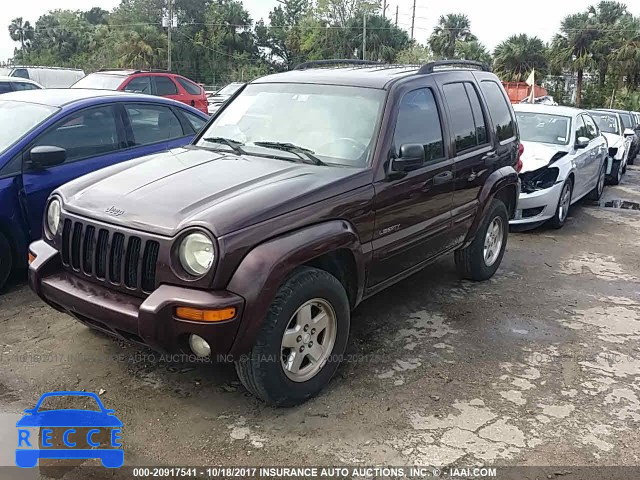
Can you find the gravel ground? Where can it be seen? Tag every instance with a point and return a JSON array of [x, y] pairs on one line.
[[539, 366]]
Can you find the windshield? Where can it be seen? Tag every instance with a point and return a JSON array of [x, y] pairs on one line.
[[18, 119], [100, 81], [335, 123], [230, 89], [606, 122], [544, 128]]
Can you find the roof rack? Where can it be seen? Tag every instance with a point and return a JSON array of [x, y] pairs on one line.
[[337, 61], [431, 66]]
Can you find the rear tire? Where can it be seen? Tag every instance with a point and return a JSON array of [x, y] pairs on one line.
[[480, 260], [616, 173], [564, 204], [6, 260], [301, 342]]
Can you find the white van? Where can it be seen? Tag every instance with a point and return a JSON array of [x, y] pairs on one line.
[[48, 77]]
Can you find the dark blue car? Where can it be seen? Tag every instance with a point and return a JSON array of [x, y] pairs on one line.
[[71, 423], [49, 137]]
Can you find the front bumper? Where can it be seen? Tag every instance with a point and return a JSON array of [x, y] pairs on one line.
[[150, 321], [537, 207]]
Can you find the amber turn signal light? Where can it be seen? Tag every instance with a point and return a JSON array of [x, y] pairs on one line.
[[32, 257], [199, 315]]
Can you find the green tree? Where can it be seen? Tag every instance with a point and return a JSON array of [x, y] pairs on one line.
[[282, 38], [572, 49], [450, 30], [415, 54], [472, 50], [21, 31], [515, 57]]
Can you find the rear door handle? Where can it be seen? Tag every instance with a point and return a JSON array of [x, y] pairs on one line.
[[443, 177], [490, 159]]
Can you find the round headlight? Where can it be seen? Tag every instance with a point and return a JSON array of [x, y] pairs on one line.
[[196, 253], [53, 217]]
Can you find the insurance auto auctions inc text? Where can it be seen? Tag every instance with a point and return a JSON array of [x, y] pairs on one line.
[[358, 472]]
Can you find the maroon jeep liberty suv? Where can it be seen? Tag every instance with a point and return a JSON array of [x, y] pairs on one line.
[[308, 192]]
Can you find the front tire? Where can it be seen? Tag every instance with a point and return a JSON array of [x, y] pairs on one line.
[[6, 260], [480, 260], [564, 203], [596, 193], [616, 173], [301, 342]]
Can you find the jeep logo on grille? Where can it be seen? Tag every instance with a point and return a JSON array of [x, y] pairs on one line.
[[116, 212]]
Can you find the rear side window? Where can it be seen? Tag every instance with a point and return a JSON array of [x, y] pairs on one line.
[[467, 121], [196, 122], [139, 85], [419, 122], [85, 134], [165, 86], [499, 110], [153, 124], [189, 86], [18, 86]]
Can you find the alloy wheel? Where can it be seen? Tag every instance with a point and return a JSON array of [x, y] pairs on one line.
[[308, 340], [493, 241]]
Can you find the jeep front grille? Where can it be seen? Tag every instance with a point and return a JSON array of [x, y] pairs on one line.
[[110, 257]]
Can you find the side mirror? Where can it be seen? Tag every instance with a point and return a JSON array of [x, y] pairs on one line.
[[628, 132], [46, 156], [582, 142], [411, 157]]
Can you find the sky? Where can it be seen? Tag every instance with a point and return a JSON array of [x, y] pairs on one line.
[[491, 20]]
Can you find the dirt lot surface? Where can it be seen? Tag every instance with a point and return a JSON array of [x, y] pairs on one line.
[[539, 366]]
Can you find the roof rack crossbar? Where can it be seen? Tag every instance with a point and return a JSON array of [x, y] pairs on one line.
[[337, 61], [431, 66]]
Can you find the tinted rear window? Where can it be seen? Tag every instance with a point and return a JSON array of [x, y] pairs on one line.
[[189, 86], [499, 110], [100, 81]]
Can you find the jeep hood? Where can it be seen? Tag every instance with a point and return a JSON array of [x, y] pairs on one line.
[[538, 155], [221, 191]]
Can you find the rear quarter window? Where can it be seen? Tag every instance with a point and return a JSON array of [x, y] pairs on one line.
[[189, 86], [499, 109]]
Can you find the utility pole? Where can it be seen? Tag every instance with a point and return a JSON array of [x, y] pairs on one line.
[[364, 36], [397, 9], [413, 18], [169, 26], [384, 9]]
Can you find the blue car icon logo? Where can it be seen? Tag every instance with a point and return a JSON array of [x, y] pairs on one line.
[[82, 433]]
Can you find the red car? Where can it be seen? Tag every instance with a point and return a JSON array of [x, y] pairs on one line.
[[160, 83]]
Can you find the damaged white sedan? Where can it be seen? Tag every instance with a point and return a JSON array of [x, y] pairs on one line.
[[564, 159], [611, 126]]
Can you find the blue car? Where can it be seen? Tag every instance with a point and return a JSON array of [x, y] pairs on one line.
[[49, 137], [69, 421]]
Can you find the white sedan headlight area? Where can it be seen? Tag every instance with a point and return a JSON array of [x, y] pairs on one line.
[[196, 253], [53, 218]]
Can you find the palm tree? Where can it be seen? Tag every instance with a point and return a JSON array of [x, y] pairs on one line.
[[21, 31], [450, 30], [572, 49], [610, 17], [518, 55], [473, 50]]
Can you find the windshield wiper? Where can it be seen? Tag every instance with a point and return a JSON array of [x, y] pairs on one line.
[[229, 142], [291, 148]]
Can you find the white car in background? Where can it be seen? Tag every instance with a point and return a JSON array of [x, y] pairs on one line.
[[564, 160], [611, 127], [48, 77], [13, 84]]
